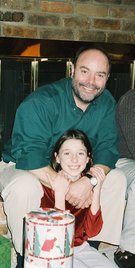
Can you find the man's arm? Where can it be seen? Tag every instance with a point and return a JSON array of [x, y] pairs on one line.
[[80, 192], [56, 181], [106, 169], [45, 175]]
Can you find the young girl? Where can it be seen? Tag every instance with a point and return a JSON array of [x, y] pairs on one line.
[[72, 157]]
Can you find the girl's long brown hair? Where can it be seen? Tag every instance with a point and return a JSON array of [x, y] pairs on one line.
[[68, 135]]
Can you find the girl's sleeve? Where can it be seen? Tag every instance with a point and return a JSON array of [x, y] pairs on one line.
[[93, 223]]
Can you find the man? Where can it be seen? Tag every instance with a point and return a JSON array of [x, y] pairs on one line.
[[125, 254], [80, 102]]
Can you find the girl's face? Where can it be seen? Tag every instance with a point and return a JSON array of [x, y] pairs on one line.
[[73, 158]]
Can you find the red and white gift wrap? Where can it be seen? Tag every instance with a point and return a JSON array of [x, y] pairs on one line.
[[49, 237]]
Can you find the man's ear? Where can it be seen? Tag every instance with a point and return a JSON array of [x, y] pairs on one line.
[[72, 69]]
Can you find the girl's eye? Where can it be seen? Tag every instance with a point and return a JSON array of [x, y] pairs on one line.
[[66, 153], [82, 154]]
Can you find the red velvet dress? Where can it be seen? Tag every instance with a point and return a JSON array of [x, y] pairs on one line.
[[86, 224]]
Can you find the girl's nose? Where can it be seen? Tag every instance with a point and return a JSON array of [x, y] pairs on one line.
[[74, 158]]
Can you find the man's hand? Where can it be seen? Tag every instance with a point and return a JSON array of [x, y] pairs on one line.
[[80, 193]]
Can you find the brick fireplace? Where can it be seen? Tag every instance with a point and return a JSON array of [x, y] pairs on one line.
[[104, 21]]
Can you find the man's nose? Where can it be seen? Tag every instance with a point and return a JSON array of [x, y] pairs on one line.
[[90, 79]]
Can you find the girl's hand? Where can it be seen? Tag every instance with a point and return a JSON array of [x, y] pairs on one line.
[[99, 174], [60, 184]]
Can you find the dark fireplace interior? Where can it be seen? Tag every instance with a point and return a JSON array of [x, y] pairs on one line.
[[22, 72]]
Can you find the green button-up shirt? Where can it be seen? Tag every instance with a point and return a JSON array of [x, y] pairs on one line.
[[51, 110]]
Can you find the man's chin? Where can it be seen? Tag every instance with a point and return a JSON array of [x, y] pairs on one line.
[[91, 98], [87, 101]]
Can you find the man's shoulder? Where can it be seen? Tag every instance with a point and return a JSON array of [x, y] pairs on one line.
[[126, 110], [129, 96], [51, 89], [48, 92], [108, 94], [107, 97]]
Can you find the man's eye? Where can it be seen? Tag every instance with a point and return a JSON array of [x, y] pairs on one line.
[[84, 71], [101, 75]]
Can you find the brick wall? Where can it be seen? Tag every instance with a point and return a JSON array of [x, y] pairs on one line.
[[77, 20]]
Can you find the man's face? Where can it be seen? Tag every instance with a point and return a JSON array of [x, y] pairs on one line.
[[90, 75]]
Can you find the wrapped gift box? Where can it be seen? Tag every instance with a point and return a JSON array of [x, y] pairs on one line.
[[5, 252], [49, 237]]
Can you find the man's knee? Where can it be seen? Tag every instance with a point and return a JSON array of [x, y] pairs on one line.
[[115, 182], [23, 184]]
